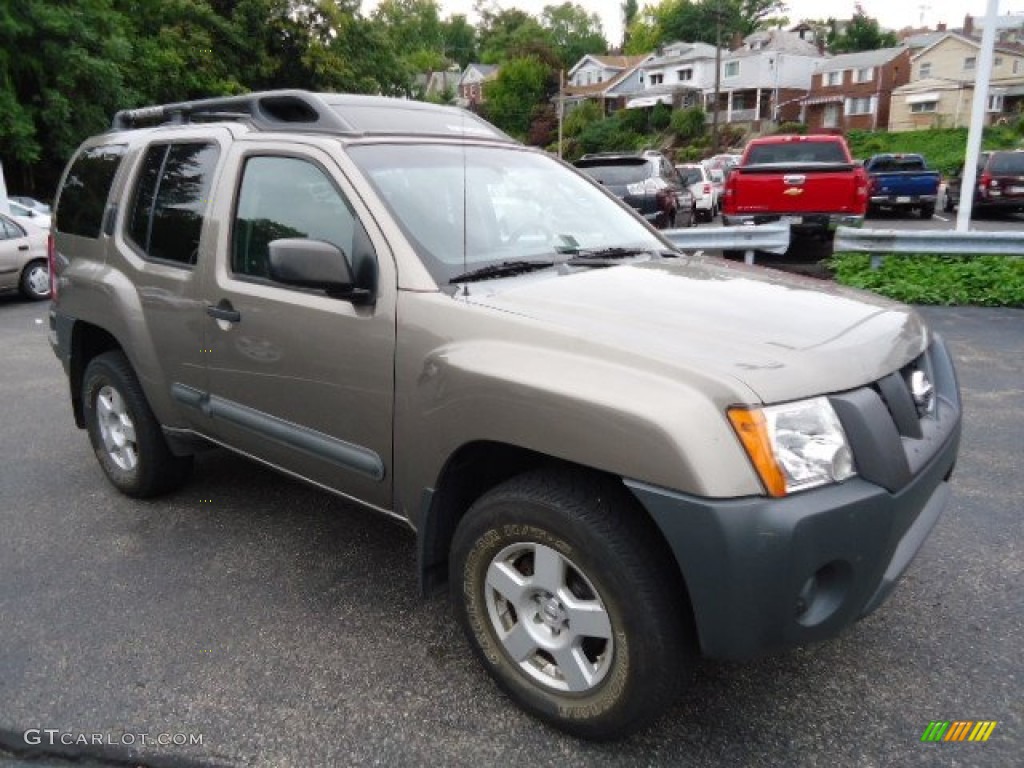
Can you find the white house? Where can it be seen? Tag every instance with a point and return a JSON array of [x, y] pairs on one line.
[[677, 74], [602, 79]]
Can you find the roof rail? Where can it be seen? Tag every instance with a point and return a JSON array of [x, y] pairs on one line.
[[266, 110]]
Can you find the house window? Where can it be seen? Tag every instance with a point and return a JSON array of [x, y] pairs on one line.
[[834, 78], [925, 70], [995, 102], [999, 61], [1016, 66], [864, 75], [924, 106], [657, 79], [969, 63], [862, 105], [732, 68], [685, 75]]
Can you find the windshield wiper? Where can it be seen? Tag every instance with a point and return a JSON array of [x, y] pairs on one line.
[[504, 269], [584, 256]]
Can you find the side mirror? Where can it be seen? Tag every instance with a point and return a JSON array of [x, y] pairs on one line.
[[307, 263]]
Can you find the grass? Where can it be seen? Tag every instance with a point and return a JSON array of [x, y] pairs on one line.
[[985, 281]]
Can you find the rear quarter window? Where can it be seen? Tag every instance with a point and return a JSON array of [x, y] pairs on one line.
[[83, 196]]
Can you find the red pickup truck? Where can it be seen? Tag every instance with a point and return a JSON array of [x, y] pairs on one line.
[[810, 181]]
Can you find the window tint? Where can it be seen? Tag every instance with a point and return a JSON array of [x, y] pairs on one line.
[[1007, 162], [616, 172], [284, 197], [84, 194], [166, 216], [797, 152]]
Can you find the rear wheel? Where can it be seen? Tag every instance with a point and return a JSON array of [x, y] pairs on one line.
[[947, 203], [35, 280], [927, 211], [569, 599], [124, 433]]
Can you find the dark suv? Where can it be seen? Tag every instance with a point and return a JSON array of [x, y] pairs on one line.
[[999, 185], [646, 181]]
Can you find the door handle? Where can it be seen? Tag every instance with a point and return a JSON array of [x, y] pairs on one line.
[[22, 247], [224, 311]]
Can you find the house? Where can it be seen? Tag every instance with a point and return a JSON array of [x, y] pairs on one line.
[[765, 78], [471, 83], [853, 91], [941, 88], [606, 80], [438, 85], [678, 75], [1009, 27]]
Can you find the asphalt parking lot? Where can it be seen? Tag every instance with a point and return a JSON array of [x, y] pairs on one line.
[[285, 628]]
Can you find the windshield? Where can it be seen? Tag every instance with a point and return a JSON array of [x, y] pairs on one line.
[[468, 207], [616, 172]]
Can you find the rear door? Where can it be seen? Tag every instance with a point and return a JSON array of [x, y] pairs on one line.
[[299, 379]]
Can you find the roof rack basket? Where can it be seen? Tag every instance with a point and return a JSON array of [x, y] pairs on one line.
[[268, 110]]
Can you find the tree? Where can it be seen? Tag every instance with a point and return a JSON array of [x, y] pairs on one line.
[[459, 40], [701, 20], [521, 84], [513, 34], [630, 8], [573, 32], [862, 33]]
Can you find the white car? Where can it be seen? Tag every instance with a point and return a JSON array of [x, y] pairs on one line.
[[23, 262], [23, 212], [698, 179]]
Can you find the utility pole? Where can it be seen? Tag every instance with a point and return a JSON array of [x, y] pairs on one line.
[[561, 108], [718, 77]]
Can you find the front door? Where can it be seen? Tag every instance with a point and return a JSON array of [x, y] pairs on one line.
[[299, 379]]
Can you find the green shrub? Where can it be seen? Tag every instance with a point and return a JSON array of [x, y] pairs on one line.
[[987, 281], [631, 120], [661, 116], [578, 118], [792, 127], [688, 124], [606, 136]]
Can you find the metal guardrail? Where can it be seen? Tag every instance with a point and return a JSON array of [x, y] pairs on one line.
[[773, 238], [882, 242]]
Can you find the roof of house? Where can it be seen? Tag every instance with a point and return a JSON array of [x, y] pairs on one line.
[[596, 89], [610, 62], [1010, 50], [775, 41], [860, 59], [676, 53]]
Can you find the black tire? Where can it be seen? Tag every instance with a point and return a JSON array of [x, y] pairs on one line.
[[947, 203], [612, 561], [927, 211], [124, 433], [35, 280]]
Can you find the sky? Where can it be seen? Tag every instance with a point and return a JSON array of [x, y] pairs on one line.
[[893, 14]]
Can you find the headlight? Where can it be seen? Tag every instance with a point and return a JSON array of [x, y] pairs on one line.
[[795, 446]]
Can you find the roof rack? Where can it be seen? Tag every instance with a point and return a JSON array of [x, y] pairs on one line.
[[307, 112], [266, 110]]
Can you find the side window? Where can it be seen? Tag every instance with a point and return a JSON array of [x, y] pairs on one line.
[[166, 215], [9, 230], [285, 197], [83, 196]]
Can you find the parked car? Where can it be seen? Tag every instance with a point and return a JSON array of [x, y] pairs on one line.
[[698, 179], [23, 258], [647, 182], [30, 215], [999, 185], [31, 202], [718, 182], [724, 162], [902, 182], [613, 455]]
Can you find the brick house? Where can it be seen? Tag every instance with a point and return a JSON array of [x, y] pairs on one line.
[[853, 91]]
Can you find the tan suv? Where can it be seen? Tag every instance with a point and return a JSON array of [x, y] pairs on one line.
[[614, 454]]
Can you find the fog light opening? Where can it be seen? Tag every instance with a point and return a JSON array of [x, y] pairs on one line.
[[823, 593]]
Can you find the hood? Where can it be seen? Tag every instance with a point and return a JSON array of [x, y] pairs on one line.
[[784, 337]]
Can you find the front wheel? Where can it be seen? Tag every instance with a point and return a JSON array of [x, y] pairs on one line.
[[569, 598], [124, 433]]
